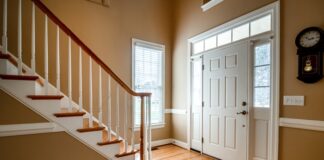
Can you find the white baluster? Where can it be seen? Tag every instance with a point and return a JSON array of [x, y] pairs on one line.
[[90, 94], [80, 80], [125, 126], [133, 126], [109, 109], [100, 98], [46, 55], [149, 128], [58, 69], [4, 31], [146, 128], [19, 40], [33, 50], [117, 112], [70, 75]]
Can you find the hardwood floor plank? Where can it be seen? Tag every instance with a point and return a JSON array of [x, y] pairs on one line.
[[172, 152]]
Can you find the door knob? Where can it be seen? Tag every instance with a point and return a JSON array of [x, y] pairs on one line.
[[244, 112]]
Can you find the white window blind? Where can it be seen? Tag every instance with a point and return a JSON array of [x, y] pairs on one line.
[[148, 77]]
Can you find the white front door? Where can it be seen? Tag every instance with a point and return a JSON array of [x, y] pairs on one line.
[[225, 94]]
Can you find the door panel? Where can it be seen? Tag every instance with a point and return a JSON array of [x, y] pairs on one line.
[[196, 101], [224, 90]]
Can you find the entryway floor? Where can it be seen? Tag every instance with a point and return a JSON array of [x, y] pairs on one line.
[[172, 152]]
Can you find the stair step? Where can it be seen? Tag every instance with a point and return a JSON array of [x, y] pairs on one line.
[[19, 77], [69, 114], [45, 97], [92, 129], [109, 142], [126, 153]]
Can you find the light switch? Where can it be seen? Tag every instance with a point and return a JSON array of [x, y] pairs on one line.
[[294, 100]]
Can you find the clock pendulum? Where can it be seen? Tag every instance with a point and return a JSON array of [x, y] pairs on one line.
[[308, 67]]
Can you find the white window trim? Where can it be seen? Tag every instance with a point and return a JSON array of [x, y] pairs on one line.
[[152, 45], [274, 9]]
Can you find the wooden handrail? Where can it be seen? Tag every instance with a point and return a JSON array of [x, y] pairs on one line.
[[86, 49]]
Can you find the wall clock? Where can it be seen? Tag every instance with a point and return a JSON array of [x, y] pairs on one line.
[[310, 44]]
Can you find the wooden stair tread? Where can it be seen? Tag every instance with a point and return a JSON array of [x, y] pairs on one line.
[[45, 97], [19, 77], [126, 153], [4, 56], [69, 114], [92, 129], [109, 142]]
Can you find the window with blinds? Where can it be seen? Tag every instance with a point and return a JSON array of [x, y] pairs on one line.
[[148, 76]]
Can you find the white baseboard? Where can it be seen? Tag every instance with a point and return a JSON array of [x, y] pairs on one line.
[[29, 128], [168, 141], [302, 124], [162, 142], [181, 144], [176, 111]]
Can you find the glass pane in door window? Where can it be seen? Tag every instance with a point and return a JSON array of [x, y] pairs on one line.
[[262, 54], [261, 25], [224, 38], [262, 76], [210, 43], [241, 32], [261, 97], [198, 47]]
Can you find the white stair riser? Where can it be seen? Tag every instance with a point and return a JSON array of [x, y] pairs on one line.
[[19, 88], [7, 68]]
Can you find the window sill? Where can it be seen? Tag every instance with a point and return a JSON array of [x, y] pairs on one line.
[[154, 126]]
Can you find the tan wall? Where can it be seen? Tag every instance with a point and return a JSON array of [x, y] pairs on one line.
[[45, 146], [295, 15], [108, 32], [14, 112]]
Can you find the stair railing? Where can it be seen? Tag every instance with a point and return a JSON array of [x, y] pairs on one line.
[[145, 98]]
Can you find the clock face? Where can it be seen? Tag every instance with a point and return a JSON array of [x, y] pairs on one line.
[[310, 39]]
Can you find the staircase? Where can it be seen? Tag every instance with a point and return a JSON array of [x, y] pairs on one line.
[[113, 141]]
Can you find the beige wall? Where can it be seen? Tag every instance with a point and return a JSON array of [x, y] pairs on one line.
[[45, 146], [108, 32], [295, 15], [14, 112]]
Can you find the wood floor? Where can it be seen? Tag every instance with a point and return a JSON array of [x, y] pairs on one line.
[[172, 152]]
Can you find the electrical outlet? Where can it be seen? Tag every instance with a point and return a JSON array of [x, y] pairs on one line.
[[294, 100]]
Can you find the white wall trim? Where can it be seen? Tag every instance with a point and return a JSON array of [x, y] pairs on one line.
[[314, 125], [181, 144], [210, 4], [29, 128], [168, 141], [162, 142], [176, 111]]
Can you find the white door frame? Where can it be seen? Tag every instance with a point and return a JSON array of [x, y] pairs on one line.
[[274, 9]]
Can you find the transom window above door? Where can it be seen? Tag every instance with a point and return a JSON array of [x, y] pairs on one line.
[[252, 27]]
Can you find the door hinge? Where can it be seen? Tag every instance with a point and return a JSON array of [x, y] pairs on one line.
[[202, 139], [203, 67], [203, 104]]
